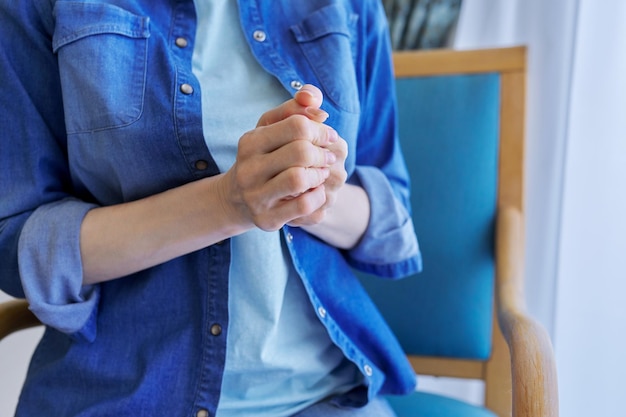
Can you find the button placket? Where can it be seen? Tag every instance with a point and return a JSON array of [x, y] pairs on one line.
[[216, 329], [181, 42], [186, 89], [201, 165], [259, 35]]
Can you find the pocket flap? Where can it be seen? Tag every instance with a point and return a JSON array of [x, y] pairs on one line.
[[77, 20], [325, 21]]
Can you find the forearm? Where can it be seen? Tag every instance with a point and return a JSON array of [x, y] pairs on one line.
[[126, 238], [346, 221], [284, 157]]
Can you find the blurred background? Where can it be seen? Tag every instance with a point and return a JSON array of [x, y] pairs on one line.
[[575, 174]]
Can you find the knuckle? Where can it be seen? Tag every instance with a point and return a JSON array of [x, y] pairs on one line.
[[306, 205], [299, 125], [340, 148], [306, 154], [297, 180], [343, 146], [246, 138], [343, 175], [264, 219], [246, 143], [302, 150], [298, 119], [338, 176]]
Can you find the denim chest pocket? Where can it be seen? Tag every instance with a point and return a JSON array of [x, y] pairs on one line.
[[325, 38], [102, 53]]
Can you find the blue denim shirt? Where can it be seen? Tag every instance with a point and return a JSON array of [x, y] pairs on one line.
[[93, 114]]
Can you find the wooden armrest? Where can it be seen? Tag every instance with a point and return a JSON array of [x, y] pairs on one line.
[[535, 392], [14, 316]]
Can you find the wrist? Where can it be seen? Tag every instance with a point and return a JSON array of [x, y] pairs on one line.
[[346, 220], [226, 210]]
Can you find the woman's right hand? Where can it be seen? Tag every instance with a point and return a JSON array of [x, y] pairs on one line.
[[280, 169]]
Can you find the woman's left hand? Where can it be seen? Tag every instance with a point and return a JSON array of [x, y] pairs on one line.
[[307, 102]]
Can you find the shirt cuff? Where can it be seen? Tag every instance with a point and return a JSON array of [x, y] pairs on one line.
[[389, 247], [51, 270]]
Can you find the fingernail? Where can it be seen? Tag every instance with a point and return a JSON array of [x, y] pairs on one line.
[[317, 114], [309, 89], [332, 135], [331, 158], [304, 90]]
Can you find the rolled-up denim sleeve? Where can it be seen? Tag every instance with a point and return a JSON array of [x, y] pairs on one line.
[[389, 247], [39, 216], [50, 268]]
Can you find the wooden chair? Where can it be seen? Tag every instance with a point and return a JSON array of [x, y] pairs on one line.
[[14, 316], [461, 116]]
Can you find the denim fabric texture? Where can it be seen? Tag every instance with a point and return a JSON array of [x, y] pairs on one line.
[[93, 114]]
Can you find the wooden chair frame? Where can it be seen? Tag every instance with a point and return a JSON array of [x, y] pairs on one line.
[[14, 316], [520, 375]]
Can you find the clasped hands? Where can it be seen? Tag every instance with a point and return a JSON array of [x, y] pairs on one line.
[[288, 169]]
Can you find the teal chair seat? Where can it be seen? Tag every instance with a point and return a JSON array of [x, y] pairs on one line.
[[421, 404]]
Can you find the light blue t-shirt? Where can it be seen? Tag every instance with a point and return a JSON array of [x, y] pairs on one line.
[[279, 357]]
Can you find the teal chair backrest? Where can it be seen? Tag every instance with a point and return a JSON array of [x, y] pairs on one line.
[[449, 130]]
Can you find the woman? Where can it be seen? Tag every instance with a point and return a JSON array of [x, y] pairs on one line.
[[182, 208]]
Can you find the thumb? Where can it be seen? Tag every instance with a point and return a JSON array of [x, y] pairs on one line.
[[309, 96], [306, 102]]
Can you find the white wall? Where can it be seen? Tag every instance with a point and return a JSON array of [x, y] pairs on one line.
[[591, 298], [576, 169], [15, 353]]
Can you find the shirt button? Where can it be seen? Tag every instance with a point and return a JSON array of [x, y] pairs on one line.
[[322, 312], [201, 165], [181, 42], [202, 413], [296, 85], [186, 89], [259, 36], [289, 237], [368, 370], [216, 330]]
